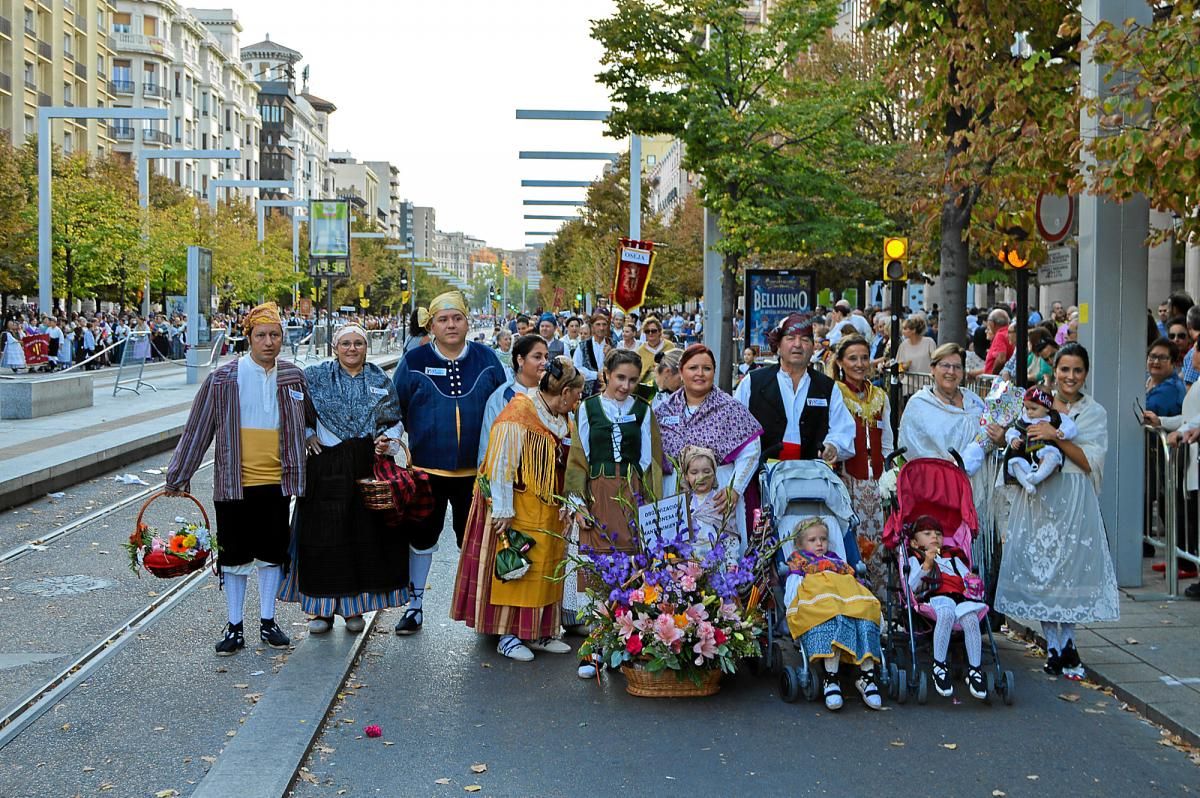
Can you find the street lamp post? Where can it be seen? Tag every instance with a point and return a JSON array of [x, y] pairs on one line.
[[45, 246], [213, 185]]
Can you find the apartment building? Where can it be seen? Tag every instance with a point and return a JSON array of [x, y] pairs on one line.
[[670, 183], [55, 53], [389, 209], [452, 252], [357, 182], [424, 230]]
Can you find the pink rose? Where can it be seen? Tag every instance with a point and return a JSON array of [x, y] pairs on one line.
[[634, 645]]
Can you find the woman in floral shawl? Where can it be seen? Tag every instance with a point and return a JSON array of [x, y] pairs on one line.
[[700, 415], [345, 560]]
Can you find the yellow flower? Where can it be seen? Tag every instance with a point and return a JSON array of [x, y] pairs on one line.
[[189, 541], [650, 594], [682, 621]]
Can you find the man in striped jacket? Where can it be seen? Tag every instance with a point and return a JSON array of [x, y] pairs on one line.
[[256, 409]]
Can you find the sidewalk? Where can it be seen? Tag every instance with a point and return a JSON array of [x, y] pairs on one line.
[[45, 454], [1150, 657]]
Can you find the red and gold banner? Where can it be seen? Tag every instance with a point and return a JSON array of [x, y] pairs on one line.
[[635, 262], [37, 349]]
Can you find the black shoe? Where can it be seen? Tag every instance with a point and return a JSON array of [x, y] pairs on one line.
[[410, 624], [941, 679], [1193, 591], [271, 634], [1072, 668], [1054, 664], [232, 641], [976, 683]]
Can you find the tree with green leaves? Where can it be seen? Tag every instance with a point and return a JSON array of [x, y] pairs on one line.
[[1149, 140], [18, 272], [1001, 125], [722, 80]]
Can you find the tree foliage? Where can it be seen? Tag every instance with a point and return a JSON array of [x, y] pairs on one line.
[[1149, 137]]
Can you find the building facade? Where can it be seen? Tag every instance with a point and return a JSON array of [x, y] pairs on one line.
[[670, 183], [56, 53], [389, 208], [357, 182], [453, 253], [424, 226]]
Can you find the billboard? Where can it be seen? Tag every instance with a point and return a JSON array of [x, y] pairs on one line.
[[329, 229], [771, 294]]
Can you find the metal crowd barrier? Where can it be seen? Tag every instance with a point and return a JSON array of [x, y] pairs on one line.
[[378, 342], [1169, 506]]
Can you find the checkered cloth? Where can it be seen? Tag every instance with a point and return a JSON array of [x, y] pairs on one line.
[[412, 494], [1187, 371]]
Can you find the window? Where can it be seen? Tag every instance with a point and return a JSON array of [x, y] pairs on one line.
[[651, 160], [178, 129], [99, 65], [100, 21], [30, 22], [227, 118], [30, 128], [68, 45], [150, 26], [68, 144], [122, 23], [177, 94], [204, 141], [68, 93]]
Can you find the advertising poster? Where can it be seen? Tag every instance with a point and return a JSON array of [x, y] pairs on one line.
[[329, 229], [771, 294]]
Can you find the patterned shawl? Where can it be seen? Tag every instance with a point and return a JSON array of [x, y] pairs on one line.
[[720, 423], [353, 407]]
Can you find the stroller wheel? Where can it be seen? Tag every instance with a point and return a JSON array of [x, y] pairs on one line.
[[922, 687], [901, 686], [812, 689], [1006, 689], [775, 657], [991, 685], [789, 685], [892, 680]]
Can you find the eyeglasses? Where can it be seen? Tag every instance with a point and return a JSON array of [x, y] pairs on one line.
[[1177, 336], [653, 330], [1158, 358], [944, 366]]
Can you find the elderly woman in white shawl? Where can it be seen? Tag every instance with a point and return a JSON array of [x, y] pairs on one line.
[[1056, 567], [943, 416]]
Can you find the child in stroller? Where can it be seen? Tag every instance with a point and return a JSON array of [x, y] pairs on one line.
[[940, 577], [831, 614]]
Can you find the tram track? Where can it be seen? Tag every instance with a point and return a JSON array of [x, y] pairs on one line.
[[37, 544]]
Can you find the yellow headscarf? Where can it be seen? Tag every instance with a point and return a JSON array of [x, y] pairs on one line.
[[423, 318], [266, 313], [451, 300]]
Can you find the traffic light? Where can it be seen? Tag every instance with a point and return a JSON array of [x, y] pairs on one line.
[[1012, 257], [507, 271], [403, 281], [895, 259]]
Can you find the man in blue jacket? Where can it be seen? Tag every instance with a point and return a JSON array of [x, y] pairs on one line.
[[443, 387]]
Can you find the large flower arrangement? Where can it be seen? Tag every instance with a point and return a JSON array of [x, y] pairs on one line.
[[673, 606]]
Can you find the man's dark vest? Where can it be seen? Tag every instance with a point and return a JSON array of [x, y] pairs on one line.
[[589, 356], [601, 460], [766, 405]]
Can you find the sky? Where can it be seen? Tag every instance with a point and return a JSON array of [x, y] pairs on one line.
[[433, 86]]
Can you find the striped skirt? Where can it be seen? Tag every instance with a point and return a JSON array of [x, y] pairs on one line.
[[473, 587]]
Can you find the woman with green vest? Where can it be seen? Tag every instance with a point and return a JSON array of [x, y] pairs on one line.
[[614, 462]]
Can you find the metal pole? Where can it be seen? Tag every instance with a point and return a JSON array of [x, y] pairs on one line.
[[714, 308], [45, 241], [1022, 322], [635, 187], [897, 290], [329, 318], [143, 178]]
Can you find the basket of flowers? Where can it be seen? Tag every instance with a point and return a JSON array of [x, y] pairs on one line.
[[171, 554], [673, 618]]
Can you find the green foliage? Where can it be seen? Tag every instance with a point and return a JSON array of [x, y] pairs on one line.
[[1149, 127]]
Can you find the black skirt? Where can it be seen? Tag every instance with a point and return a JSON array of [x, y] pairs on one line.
[[342, 548], [254, 527]]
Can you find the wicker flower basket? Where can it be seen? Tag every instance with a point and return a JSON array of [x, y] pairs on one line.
[[377, 494], [667, 684], [164, 564]]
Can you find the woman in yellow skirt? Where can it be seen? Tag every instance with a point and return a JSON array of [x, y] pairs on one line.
[[522, 473]]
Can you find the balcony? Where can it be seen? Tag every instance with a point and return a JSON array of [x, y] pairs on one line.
[[30, 83], [153, 90], [5, 83], [81, 23], [139, 43], [81, 70], [43, 100], [157, 136], [120, 133], [118, 86], [44, 50], [30, 30], [6, 27]]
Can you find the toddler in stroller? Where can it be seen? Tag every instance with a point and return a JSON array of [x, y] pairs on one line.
[[940, 577], [831, 614]]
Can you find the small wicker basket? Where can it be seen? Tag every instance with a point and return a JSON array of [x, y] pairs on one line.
[[164, 564], [668, 684], [377, 494]]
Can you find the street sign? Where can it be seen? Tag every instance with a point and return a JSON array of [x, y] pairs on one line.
[[347, 308], [1060, 266], [1055, 216]]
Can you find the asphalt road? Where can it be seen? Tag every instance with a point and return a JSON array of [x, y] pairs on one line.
[[446, 701]]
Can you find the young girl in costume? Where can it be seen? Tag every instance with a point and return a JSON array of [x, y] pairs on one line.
[[832, 614], [709, 524], [939, 576]]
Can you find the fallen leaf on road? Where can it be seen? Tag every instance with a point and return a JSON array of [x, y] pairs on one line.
[[88, 768], [1070, 697], [241, 685], [209, 759], [1032, 777], [1091, 711], [951, 746], [441, 781], [310, 778], [1131, 641], [342, 791], [66, 727], [106, 786], [160, 728], [998, 793], [385, 742], [166, 793], [231, 733], [897, 743], [472, 788], [324, 749], [479, 768], [257, 673]]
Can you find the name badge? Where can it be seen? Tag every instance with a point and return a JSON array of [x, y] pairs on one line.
[[817, 402], [880, 425], [625, 419], [297, 395], [378, 391], [434, 372], [566, 441], [672, 420]]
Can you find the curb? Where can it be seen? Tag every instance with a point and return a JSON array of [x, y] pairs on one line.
[[1190, 736], [264, 757]]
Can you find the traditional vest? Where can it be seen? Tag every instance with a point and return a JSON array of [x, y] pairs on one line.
[[589, 356], [867, 462], [602, 460], [766, 405]]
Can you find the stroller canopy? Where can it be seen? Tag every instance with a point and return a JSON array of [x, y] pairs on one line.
[[939, 488], [799, 489]]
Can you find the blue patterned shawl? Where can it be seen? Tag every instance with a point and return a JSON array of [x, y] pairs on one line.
[[353, 407]]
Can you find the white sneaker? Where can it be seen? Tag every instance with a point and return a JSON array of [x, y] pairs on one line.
[[551, 645], [587, 670], [869, 691], [833, 695], [512, 647]]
